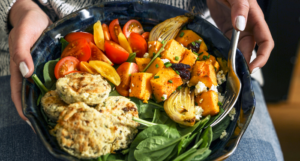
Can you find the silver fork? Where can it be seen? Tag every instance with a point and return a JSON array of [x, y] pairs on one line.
[[233, 83]]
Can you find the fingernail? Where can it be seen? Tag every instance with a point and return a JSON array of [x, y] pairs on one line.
[[28, 122], [255, 70], [23, 68], [240, 23]]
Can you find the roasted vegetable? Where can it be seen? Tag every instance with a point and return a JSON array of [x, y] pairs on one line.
[[168, 29], [205, 72], [180, 107], [188, 37], [153, 47], [189, 58], [140, 86], [173, 51], [156, 66], [164, 83], [207, 57], [209, 103], [142, 63]]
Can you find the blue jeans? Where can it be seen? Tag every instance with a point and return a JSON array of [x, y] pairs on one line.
[[19, 142]]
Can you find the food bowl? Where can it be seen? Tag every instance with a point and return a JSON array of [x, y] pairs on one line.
[[149, 14]]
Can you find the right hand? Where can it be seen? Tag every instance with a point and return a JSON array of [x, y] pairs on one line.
[[28, 22]]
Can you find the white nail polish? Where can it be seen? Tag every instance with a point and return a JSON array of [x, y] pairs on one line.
[[240, 23], [23, 68], [255, 70]]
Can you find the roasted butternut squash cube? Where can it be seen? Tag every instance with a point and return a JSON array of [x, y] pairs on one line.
[[142, 63], [153, 47], [140, 86], [188, 37], [209, 102], [207, 57], [156, 66], [164, 83], [173, 51], [205, 72], [189, 58]]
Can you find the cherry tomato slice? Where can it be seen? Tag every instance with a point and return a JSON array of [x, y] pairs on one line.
[[77, 35], [114, 30], [65, 66], [115, 52], [97, 54], [79, 49], [106, 32], [145, 35], [138, 44], [124, 71], [132, 26]]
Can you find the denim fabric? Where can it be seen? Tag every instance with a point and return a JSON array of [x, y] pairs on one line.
[[18, 141]]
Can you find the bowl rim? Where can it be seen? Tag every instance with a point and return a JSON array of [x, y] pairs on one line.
[[233, 139]]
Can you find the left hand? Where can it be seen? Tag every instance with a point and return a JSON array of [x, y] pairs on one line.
[[247, 17]]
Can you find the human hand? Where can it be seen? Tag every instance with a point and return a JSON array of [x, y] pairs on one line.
[[247, 17], [28, 22]]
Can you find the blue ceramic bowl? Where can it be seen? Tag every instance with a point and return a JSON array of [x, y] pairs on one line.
[[149, 14]]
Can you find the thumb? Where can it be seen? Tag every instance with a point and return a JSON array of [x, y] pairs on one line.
[[239, 13]]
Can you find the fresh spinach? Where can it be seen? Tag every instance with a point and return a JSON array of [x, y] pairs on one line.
[[114, 93], [189, 152], [64, 44], [185, 142], [143, 122], [40, 85], [207, 137], [220, 127], [39, 100], [198, 126], [160, 117], [131, 57], [145, 111], [48, 73], [213, 118], [156, 148], [200, 154]]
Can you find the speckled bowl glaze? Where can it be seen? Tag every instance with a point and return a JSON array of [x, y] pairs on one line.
[[149, 14]]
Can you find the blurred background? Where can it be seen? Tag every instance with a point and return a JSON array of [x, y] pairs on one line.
[[282, 73]]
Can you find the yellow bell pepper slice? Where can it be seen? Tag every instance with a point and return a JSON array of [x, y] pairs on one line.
[[124, 43], [99, 35], [86, 67], [106, 71]]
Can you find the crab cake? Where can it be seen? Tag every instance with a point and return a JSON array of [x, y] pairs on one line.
[[83, 87], [53, 105], [84, 132]]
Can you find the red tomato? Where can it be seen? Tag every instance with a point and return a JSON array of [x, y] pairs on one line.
[[145, 35], [65, 66], [77, 35], [114, 30], [115, 52], [105, 31], [124, 71], [79, 49], [132, 26], [97, 54], [138, 44]]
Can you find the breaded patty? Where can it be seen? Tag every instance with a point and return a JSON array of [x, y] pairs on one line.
[[53, 105], [83, 87], [87, 133]]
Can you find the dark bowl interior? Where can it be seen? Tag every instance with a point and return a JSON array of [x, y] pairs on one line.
[[149, 14]]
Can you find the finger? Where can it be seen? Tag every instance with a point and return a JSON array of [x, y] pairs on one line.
[[239, 12], [246, 46], [263, 38], [16, 84]]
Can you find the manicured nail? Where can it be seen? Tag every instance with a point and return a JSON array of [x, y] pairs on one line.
[[240, 23], [28, 122], [23, 68], [255, 70]]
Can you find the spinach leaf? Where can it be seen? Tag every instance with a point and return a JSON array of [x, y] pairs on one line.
[[145, 111], [48, 73], [201, 126], [156, 130], [198, 126], [103, 157], [200, 154], [160, 117], [131, 57], [174, 154], [156, 148], [40, 85], [189, 152], [143, 122], [207, 137], [185, 142], [39, 100], [114, 93], [64, 43], [220, 127]]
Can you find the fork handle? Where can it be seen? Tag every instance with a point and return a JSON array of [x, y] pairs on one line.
[[232, 50]]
